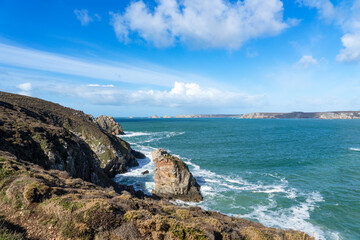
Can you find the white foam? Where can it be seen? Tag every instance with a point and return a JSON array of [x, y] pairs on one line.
[[214, 185], [355, 149], [135, 134], [295, 217]]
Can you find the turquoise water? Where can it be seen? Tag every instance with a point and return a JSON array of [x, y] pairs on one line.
[[300, 174]]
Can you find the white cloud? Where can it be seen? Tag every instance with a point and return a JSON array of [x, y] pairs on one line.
[[348, 18], [25, 88], [325, 7], [307, 61], [111, 71], [192, 94], [199, 23], [351, 52], [180, 95], [99, 85], [83, 16], [351, 40]]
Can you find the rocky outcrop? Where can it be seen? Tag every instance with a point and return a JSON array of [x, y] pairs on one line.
[[172, 178], [61, 138], [108, 124], [154, 116]]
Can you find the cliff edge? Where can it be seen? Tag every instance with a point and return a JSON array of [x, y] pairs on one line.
[[57, 137]]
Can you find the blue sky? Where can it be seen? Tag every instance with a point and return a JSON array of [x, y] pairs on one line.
[[173, 57]]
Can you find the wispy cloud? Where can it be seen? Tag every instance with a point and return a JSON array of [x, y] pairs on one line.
[[25, 88], [201, 24], [307, 61], [112, 71], [83, 16], [346, 16]]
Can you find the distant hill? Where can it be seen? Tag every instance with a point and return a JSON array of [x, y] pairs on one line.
[[316, 115]]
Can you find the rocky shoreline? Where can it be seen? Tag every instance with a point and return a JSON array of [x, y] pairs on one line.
[[56, 170]]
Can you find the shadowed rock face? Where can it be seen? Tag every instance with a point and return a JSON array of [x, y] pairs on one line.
[[173, 179], [108, 124], [61, 138]]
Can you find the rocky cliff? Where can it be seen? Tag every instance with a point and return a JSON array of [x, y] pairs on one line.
[[54, 184], [316, 115], [61, 138], [108, 124], [172, 178]]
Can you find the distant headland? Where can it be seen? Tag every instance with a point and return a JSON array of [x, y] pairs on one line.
[[264, 115]]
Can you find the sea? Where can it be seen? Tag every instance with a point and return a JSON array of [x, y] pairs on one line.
[[301, 174]]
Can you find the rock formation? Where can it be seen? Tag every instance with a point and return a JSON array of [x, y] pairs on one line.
[[60, 138], [173, 179], [108, 124], [154, 116]]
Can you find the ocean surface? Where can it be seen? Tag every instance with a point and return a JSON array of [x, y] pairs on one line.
[[285, 173]]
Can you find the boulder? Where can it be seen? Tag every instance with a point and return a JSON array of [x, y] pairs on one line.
[[108, 124], [172, 178], [138, 154]]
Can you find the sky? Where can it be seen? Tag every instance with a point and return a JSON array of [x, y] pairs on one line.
[[168, 57]]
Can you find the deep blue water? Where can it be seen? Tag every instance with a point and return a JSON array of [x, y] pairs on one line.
[[300, 174]]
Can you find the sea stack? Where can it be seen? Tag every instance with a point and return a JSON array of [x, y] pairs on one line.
[[108, 124], [172, 178]]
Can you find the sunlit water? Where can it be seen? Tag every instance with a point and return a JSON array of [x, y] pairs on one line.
[[299, 174]]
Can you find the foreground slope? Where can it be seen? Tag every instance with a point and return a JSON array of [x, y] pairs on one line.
[[48, 204]]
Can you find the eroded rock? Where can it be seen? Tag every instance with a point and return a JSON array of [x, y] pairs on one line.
[[108, 124], [173, 179]]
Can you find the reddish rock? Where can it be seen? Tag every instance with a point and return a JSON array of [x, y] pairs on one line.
[[172, 178]]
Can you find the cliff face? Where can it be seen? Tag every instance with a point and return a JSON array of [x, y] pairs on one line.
[[108, 124], [316, 115], [61, 138], [173, 179]]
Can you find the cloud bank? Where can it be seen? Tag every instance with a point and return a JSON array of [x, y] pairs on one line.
[[180, 95], [199, 23]]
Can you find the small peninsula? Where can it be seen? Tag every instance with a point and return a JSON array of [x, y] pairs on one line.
[[56, 170]]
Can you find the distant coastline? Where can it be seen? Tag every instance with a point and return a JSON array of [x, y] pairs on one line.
[[314, 115], [264, 115]]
